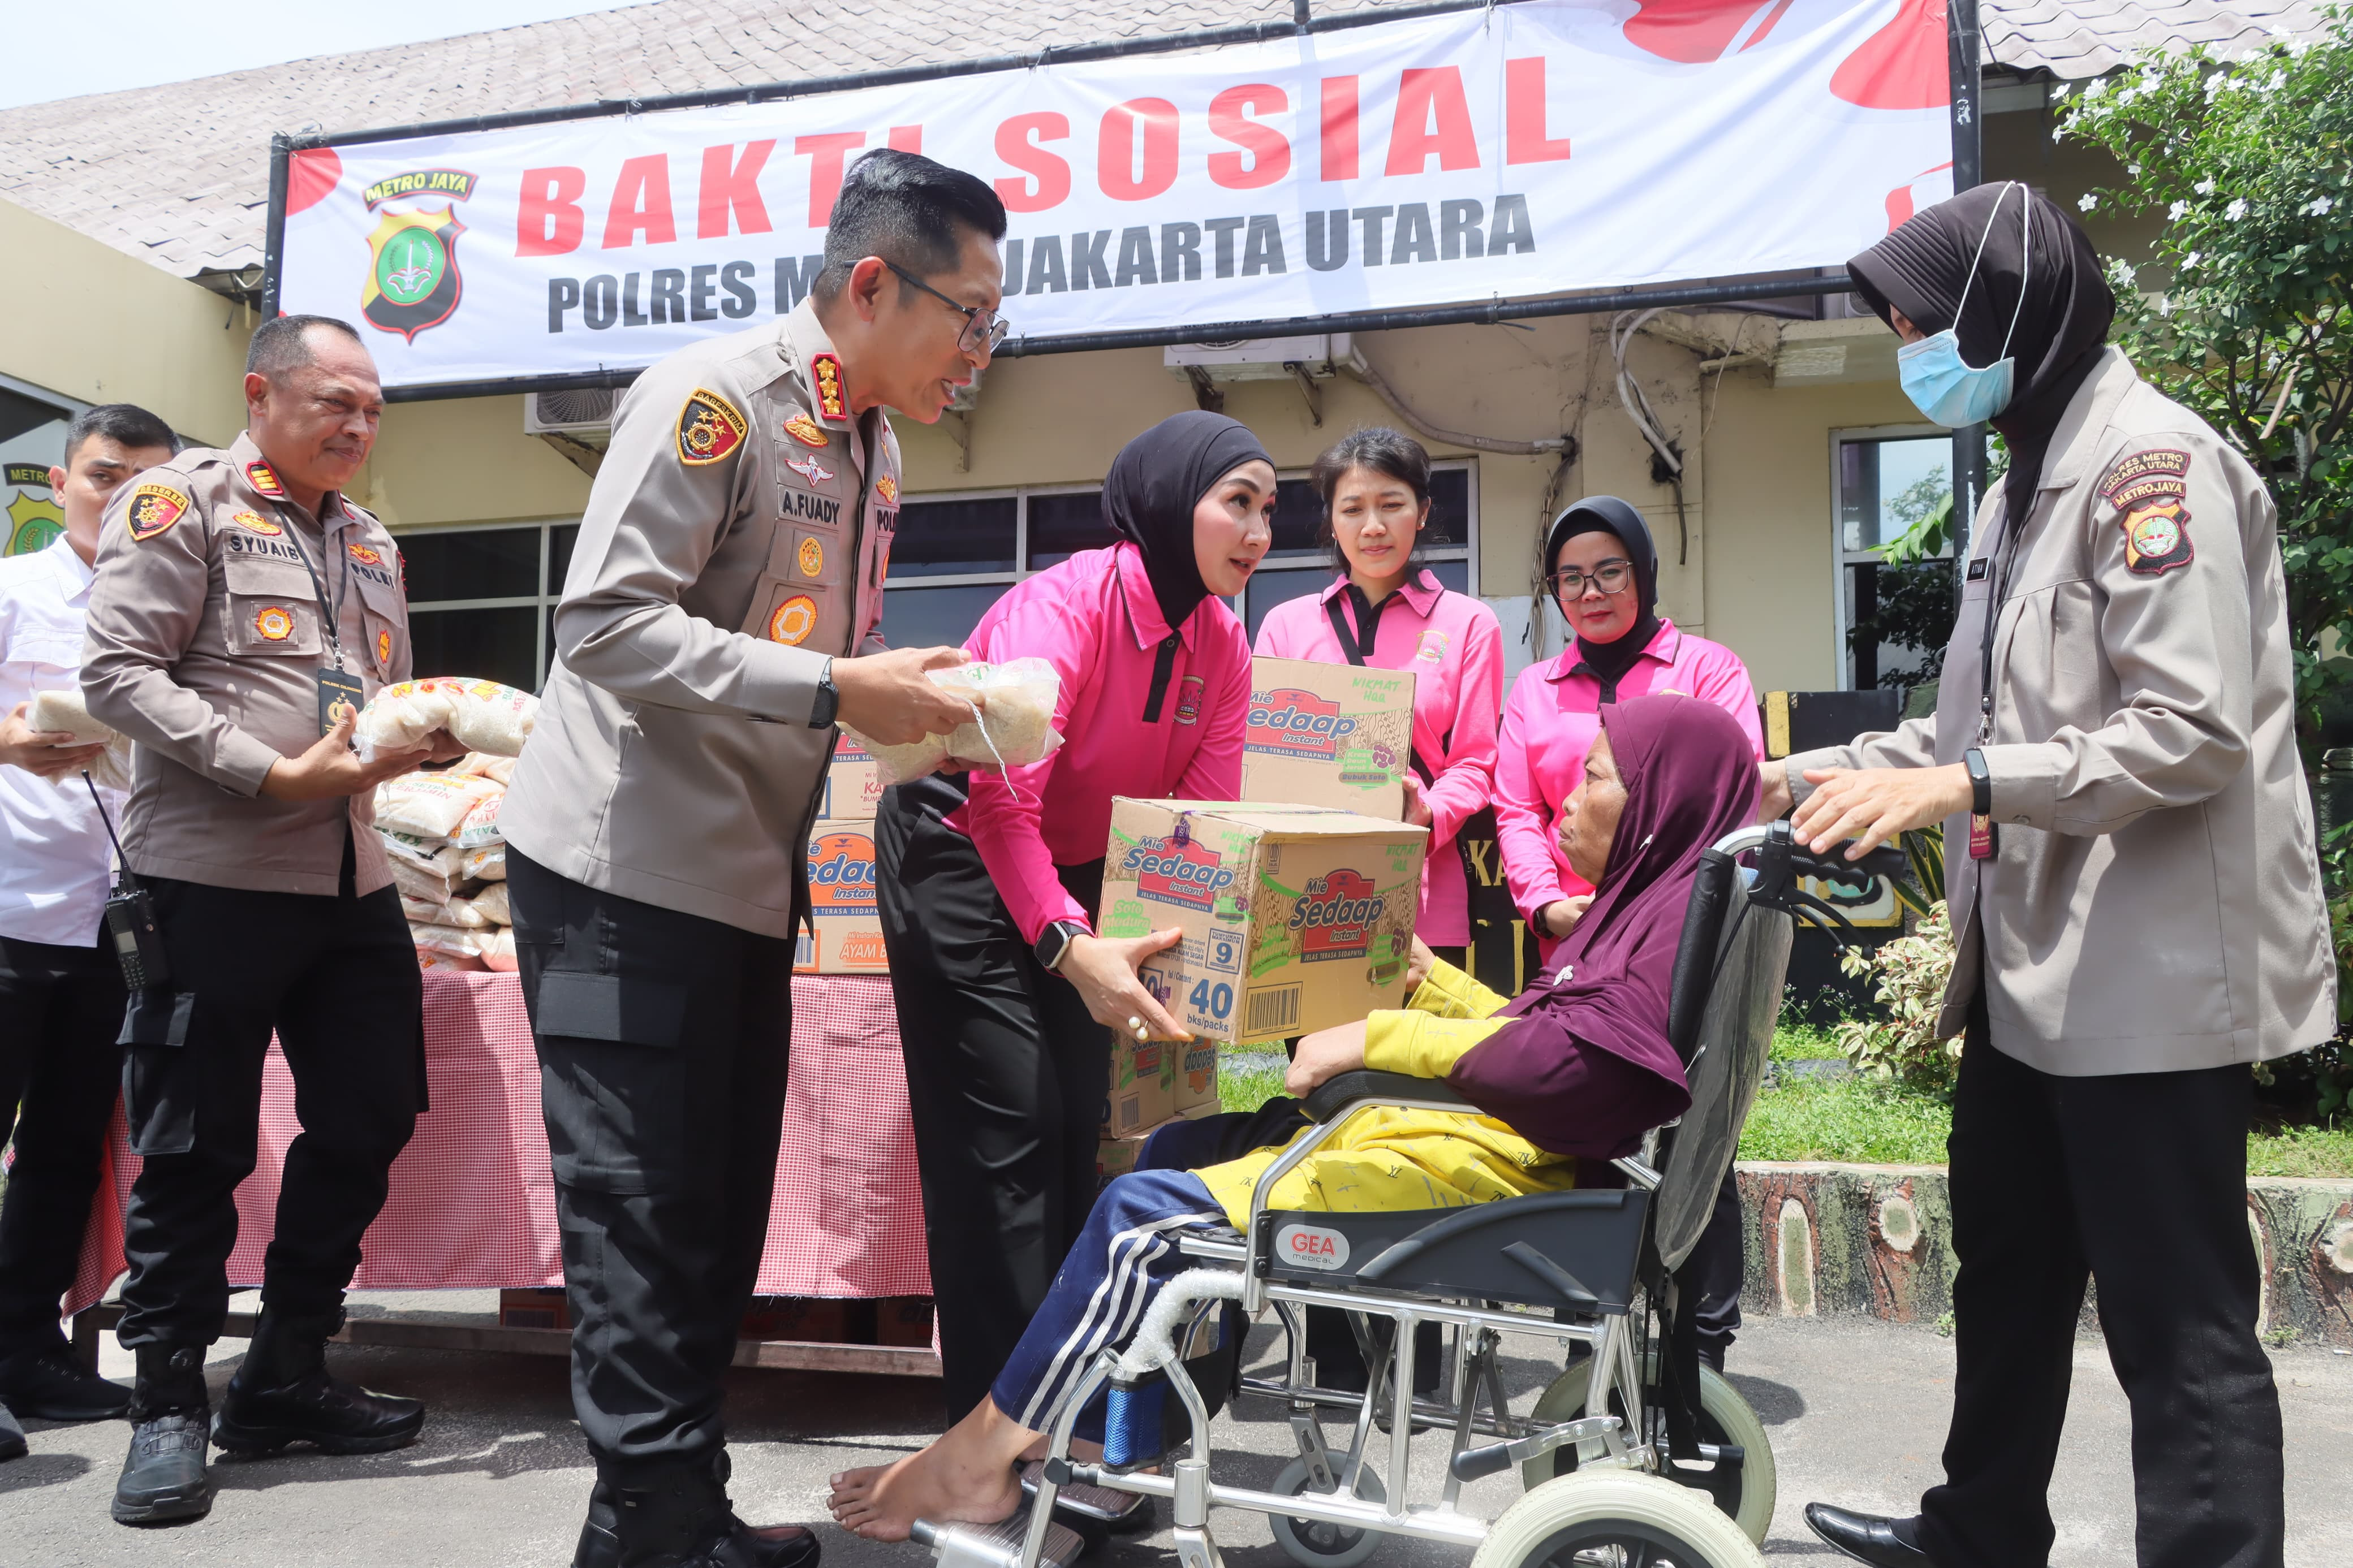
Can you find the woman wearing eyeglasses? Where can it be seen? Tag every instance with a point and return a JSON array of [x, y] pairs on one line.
[[1602, 570]]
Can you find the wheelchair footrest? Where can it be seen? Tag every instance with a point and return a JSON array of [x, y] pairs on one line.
[[1100, 1504], [996, 1545]]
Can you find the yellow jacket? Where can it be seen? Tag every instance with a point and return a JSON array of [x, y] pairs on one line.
[[1387, 1159]]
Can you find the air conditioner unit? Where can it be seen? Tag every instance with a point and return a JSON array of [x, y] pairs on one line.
[[1258, 359], [584, 413]]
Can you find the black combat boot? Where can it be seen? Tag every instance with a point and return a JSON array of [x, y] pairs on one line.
[[48, 1384], [282, 1394], [163, 1477], [682, 1520]]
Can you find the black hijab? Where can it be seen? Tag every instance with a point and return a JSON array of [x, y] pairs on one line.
[[2063, 318], [1154, 483], [1611, 660]]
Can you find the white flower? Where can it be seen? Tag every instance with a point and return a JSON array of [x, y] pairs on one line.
[[2189, 260], [2176, 212], [2058, 132], [2237, 209], [2204, 187], [2320, 206], [2086, 202]]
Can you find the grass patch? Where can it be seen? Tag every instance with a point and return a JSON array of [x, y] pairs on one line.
[[2302, 1152], [1804, 1043], [1248, 1080], [1858, 1120]]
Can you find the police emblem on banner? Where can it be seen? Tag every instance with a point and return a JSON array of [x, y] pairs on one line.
[[153, 509], [709, 428], [413, 281], [34, 520]]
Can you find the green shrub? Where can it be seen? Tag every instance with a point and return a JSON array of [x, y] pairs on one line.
[[1904, 1048]]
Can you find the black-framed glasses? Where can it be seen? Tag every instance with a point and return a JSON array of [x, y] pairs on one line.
[[1610, 576], [983, 328]]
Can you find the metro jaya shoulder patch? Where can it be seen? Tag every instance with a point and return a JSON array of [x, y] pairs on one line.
[[2156, 538], [154, 508], [709, 429], [2149, 462]]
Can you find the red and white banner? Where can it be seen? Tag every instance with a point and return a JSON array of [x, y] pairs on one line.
[[1526, 150]]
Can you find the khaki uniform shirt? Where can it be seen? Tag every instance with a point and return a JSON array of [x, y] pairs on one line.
[[737, 534], [2155, 902], [205, 641]]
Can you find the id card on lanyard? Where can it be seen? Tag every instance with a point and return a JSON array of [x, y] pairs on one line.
[[1984, 836], [341, 694]]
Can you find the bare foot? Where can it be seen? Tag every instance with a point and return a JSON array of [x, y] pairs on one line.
[[939, 1484]]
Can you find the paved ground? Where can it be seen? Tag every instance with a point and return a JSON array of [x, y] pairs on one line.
[[1856, 1411]]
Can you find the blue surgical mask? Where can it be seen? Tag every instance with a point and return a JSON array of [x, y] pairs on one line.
[[1939, 382]]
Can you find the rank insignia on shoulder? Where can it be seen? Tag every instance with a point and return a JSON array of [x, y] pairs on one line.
[[793, 620], [2156, 538], [273, 623], [832, 396], [253, 521], [264, 479], [888, 488], [153, 509], [709, 429], [384, 649], [806, 431], [365, 556], [2153, 462], [809, 469]]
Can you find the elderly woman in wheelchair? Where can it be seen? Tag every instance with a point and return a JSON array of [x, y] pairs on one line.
[[1464, 1099]]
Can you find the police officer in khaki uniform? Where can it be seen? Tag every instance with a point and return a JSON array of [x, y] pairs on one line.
[[2129, 858], [719, 617], [242, 605]]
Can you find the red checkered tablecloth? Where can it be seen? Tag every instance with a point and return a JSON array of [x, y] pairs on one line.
[[472, 1206]]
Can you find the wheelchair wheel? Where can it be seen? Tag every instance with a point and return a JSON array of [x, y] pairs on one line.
[[1312, 1544], [1724, 1417], [1614, 1519]]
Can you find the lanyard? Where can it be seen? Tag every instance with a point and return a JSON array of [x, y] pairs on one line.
[[2002, 566], [1357, 647], [331, 621]]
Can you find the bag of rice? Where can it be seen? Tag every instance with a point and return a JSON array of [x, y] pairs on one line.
[[430, 806], [480, 715], [457, 961], [490, 905], [64, 712], [1013, 724], [486, 765], [421, 883], [486, 865], [459, 912], [438, 856], [499, 950], [481, 828], [445, 939]]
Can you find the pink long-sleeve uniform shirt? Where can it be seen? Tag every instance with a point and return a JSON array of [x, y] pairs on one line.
[[1095, 619], [1549, 723], [1454, 646]]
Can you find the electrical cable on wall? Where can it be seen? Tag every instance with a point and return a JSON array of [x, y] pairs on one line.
[[1667, 466]]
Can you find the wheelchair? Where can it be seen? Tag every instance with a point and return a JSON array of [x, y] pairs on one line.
[[1635, 1457]]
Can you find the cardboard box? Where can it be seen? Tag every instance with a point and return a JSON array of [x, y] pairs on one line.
[[1296, 917], [1117, 1156], [853, 784], [1143, 1086], [841, 898], [1328, 735], [902, 1320], [534, 1306], [1197, 1076]]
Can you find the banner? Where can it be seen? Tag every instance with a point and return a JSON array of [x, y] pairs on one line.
[[1526, 149]]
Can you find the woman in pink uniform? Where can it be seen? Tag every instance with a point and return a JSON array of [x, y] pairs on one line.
[[1386, 612], [1602, 570], [988, 883]]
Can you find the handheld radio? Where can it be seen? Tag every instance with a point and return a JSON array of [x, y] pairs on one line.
[[131, 914]]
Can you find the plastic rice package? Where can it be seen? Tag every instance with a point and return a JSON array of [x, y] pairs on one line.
[[438, 856], [481, 828], [459, 912], [422, 884], [446, 939], [499, 950], [427, 959], [1012, 727], [487, 863], [65, 712], [486, 765], [491, 905], [431, 805], [480, 715]]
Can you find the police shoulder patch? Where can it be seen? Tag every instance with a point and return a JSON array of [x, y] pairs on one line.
[[154, 508], [2156, 537], [709, 429], [2149, 465], [264, 479], [832, 392]]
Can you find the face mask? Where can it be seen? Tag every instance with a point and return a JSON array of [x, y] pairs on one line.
[[1939, 382]]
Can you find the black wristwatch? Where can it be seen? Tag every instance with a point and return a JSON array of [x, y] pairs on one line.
[[1980, 782], [829, 700], [1054, 944]]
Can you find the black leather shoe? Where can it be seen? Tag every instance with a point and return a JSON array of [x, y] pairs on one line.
[[725, 1541], [12, 1438], [163, 1476], [282, 1394], [49, 1387], [1867, 1537]]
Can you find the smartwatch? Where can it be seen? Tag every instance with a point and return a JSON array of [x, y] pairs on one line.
[[829, 700], [1537, 922], [1980, 782], [1054, 944]]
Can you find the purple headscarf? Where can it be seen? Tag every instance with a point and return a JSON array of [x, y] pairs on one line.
[[1585, 1067]]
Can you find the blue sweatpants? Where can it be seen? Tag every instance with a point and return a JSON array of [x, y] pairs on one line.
[[1126, 1253]]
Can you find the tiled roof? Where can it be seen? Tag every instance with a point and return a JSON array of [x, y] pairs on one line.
[[179, 175], [2072, 39]]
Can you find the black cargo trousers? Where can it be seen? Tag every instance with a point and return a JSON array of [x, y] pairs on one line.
[[663, 1042]]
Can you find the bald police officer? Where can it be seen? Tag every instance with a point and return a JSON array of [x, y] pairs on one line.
[[731, 563], [240, 597]]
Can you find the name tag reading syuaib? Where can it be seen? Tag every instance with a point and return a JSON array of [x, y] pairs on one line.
[[340, 697]]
